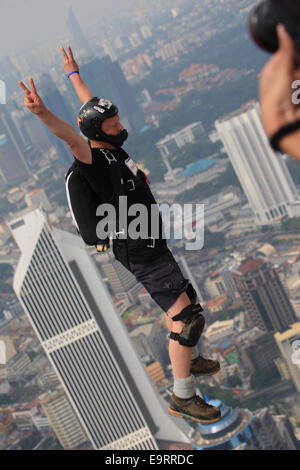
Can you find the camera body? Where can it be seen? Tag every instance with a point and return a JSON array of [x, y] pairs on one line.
[[267, 15]]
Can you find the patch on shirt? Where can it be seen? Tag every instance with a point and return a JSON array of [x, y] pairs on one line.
[[132, 166]]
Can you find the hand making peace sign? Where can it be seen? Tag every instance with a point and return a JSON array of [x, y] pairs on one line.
[[32, 101], [70, 65]]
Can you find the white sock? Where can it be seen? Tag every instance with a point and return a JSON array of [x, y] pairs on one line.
[[195, 353], [185, 388]]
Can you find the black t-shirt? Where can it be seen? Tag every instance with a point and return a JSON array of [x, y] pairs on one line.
[[138, 192]]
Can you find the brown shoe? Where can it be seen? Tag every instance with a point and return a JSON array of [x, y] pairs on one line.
[[202, 366], [194, 408]]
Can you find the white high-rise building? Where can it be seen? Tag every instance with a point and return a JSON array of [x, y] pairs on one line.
[[72, 313], [262, 173]]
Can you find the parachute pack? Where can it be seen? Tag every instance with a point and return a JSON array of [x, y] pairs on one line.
[[83, 201]]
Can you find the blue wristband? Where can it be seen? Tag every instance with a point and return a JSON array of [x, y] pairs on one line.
[[69, 75]]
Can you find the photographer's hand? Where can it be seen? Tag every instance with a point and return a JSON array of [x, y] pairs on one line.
[[276, 92]]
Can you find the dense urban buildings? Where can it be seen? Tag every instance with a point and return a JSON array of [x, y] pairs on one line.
[[86, 347]]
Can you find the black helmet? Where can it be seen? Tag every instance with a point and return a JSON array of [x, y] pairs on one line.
[[91, 116]]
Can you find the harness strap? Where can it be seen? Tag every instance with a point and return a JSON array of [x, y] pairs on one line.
[[188, 312]]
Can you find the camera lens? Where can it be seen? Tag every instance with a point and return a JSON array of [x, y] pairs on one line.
[[262, 24], [267, 15]]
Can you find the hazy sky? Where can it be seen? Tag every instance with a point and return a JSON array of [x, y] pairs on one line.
[[30, 22]]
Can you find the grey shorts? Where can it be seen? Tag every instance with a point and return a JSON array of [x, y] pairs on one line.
[[162, 278]]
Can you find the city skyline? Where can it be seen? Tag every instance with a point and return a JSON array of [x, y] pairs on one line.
[[55, 13], [80, 332], [33, 11]]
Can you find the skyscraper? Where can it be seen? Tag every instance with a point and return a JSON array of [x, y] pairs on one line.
[[265, 432], [55, 102], [262, 173], [288, 342], [35, 131], [85, 340], [62, 418], [13, 166], [264, 296], [79, 40], [109, 50], [287, 432], [106, 80], [122, 282]]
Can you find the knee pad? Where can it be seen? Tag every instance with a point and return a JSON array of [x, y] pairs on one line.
[[194, 325]]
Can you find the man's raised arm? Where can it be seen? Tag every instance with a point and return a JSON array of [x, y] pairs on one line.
[[77, 144], [70, 66]]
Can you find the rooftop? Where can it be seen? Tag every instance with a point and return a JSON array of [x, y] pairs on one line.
[[34, 192], [249, 265], [243, 109], [216, 301], [199, 166], [245, 419], [294, 330], [218, 327]]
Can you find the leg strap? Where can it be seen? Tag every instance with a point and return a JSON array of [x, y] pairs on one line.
[[187, 313], [191, 293], [194, 325]]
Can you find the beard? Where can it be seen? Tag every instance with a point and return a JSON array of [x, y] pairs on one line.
[[116, 140]]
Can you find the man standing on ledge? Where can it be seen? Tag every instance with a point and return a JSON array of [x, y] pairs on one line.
[[150, 260]]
